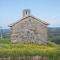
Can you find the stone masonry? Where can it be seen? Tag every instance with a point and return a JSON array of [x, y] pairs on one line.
[[29, 29]]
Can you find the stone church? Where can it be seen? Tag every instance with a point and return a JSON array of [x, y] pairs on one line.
[[29, 29]]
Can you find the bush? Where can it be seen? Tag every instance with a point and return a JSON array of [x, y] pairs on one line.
[[52, 44]]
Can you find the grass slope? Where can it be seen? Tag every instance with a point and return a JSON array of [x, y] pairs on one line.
[[29, 50], [51, 50]]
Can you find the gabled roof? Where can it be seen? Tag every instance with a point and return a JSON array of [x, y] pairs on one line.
[[28, 17]]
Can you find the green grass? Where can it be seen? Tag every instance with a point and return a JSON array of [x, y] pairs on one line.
[[29, 50], [5, 40], [51, 50]]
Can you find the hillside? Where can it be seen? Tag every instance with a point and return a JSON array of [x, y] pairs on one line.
[[54, 34]]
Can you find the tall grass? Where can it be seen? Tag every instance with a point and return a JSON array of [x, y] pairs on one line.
[[29, 50], [51, 50]]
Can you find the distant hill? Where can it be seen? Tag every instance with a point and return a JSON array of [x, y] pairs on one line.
[[5, 33], [53, 34], [4, 30]]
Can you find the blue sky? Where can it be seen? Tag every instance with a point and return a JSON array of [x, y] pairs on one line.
[[47, 10]]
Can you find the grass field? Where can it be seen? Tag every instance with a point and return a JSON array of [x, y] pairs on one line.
[[51, 50]]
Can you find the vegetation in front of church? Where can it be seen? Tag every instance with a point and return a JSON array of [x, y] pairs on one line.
[[51, 50]]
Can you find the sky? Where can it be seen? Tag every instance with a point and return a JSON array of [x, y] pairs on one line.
[[46, 10]]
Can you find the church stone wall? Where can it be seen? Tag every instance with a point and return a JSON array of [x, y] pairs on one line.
[[29, 30]]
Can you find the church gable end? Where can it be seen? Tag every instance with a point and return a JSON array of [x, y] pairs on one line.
[[29, 30]]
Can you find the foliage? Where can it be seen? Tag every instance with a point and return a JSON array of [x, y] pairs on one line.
[[5, 40], [52, 44], [50, 49]]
